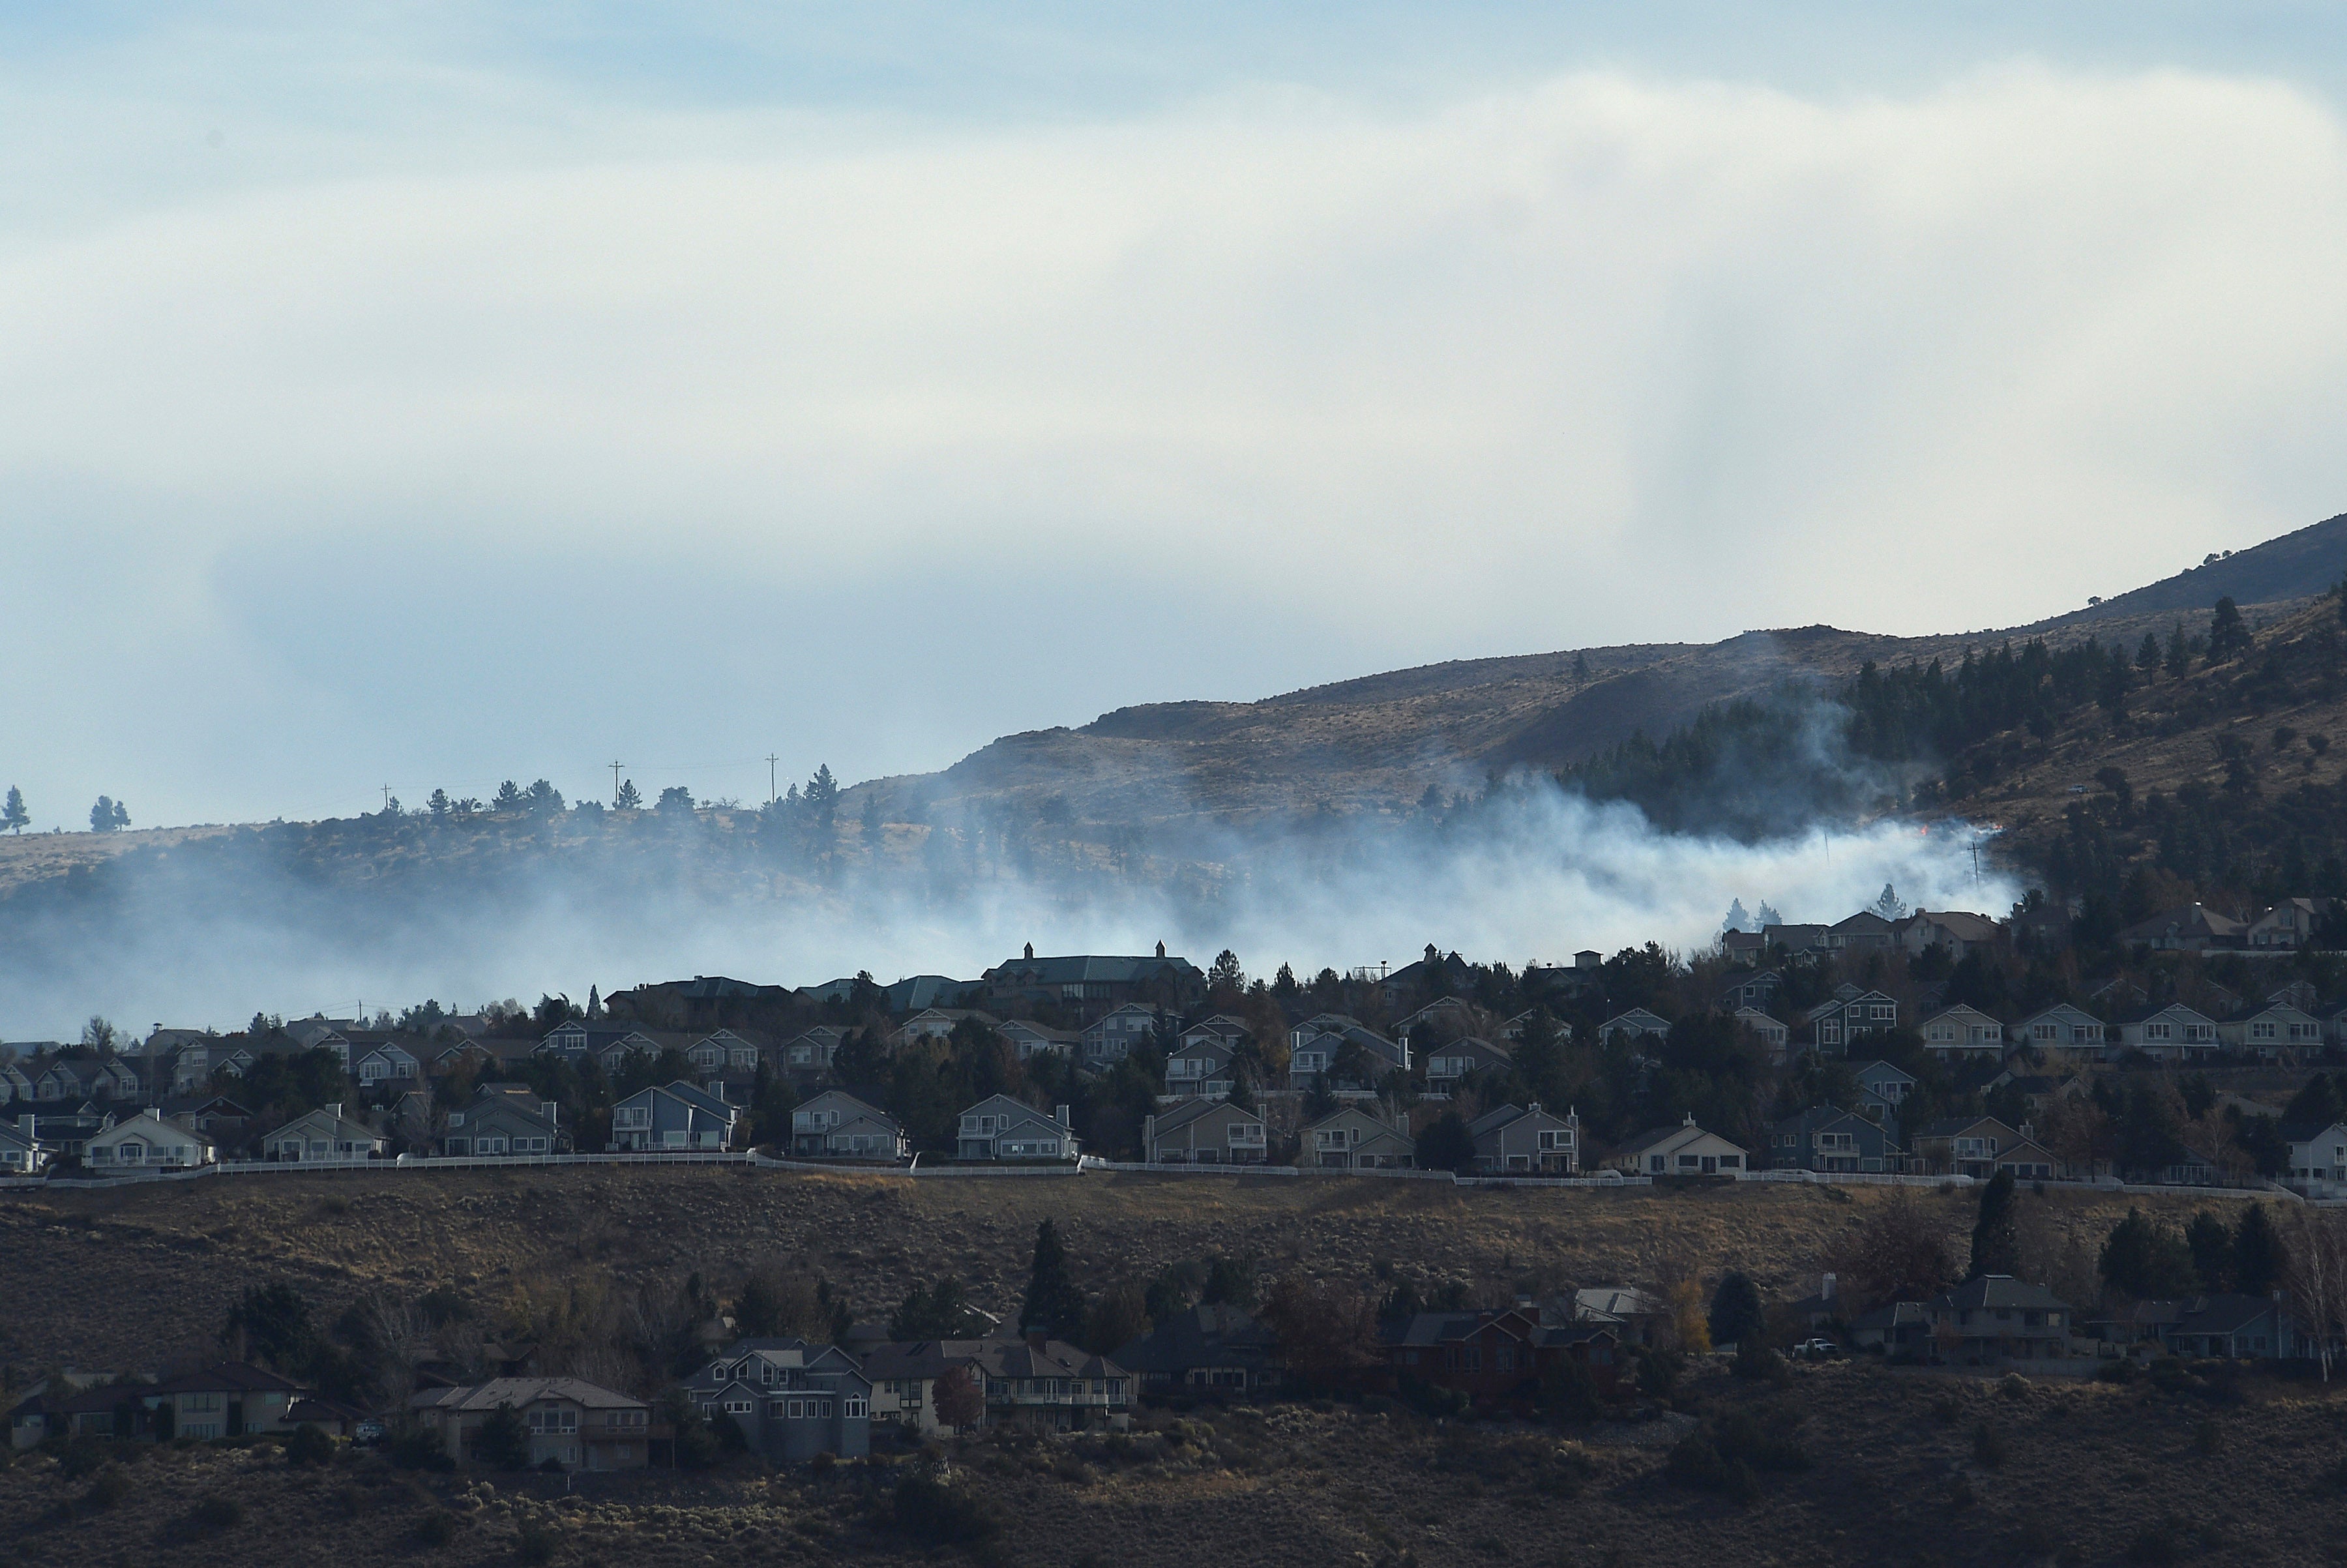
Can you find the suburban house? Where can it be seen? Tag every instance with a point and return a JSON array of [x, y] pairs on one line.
[[1963, 1034], [387, 1066], [1102, 980], [723, 1055], [1885, 1083], [1510, 1139], [1955, 931], [1001, 1128], [146, 1141], [504, 1119], [1214, 1349], [839, 1126], [1795, 938], [1686, 1150], [324, 1134], [1996, 1320], [2061, 1028], [2235, 1328], [677, 1116], [805, 1055], [1432, 973], [1630, 1027], [2289, 924], [572, 1423], [2318, 1160], [1029, 1038], [2264, 1032], [1447, 1064], [227, 1401], [937, 1023], [21, 1153], [1962, 1146], [1774, 1037], [576, 1041], [1864, 932], [1203, 1132], [1445, 1017], [1111, 1037], [1202, 1067], [2170, 1033], [791, 1399], [2193, 928], [1354, 1138], [1847, 1016], [1825, 1139], [1345, 1052], [1494, 1355], [904, 1376], [1635, 1316], [1052, 1386], [1756, 990]]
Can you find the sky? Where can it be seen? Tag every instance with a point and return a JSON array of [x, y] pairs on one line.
[[419, 396]]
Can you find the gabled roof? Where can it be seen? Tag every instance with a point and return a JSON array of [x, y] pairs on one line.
[[1201, 1333], [227, 1376], [2188, 920], [1994, 1290], [1196, 1108], [1954, 1126], [521, 1391], [1098, 969], [1878, 1070]]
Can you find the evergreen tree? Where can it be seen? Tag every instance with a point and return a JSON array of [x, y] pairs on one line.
[[1996, 1240], [2229, 634], [2179, 652], [1242, 1096], [2146, 658], [630, 798], [503, 1440], [2258, 1257], [1736, 1314], [1053, 1305], [2212, 1251], [2142, 1259], [1446, 1145], [13, 815], [2317, 1104]]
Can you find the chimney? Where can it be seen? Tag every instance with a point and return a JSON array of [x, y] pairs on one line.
[[1060, 1114], [1031, 949], [551, 1111], [1433, 954], [1160, 950], [335, 1109], [1690, 1120]]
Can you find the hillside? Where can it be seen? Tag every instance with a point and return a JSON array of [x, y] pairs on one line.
[[131, 1275]]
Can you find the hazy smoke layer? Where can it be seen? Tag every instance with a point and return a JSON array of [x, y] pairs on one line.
[[293, 919]]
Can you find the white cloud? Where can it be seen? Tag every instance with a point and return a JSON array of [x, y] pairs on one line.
[[1598, 359]]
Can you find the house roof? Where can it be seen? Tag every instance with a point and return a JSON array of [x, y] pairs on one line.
[[228, 1376], [1618, 1301], [1878, 1070], [1953, 1127], [2226, 1314], [520, 1391], [1200, 1334], [2186, 920], [1994, 1290], [1194, 1108], [1098, 969], [1961, 924]]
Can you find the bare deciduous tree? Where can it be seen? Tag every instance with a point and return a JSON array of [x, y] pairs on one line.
[[2315, 1279]]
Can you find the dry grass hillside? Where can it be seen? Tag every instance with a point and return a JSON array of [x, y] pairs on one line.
[[1871, 1468], [136, 1276]]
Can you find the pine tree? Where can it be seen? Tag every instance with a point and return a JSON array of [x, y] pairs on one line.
[[1736, 1314], [12, 815], [2229, 635], [630, 798], [2146, 658], [1996, 1240], [2212, 1251], [2257, 1259], [1053, 1305]]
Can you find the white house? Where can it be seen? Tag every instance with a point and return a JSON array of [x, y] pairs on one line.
[[1686, 1150], [323, 1134], [2318, 1160], [1633, 1026], [2172, 1034], [386, 1065], [2266, 1030], [146, 1142], [2061, 1028]]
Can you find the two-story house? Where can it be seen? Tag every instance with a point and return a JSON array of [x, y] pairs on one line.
[[1001, 1128], [1960, 1034], [2264, 1032], [147, 1141], [1200, 1067], [808, 1056], [835, 1125], [1354, 1138], [388, 1066], [2317, 1166], [1342, 1052], [1825, 1139], [1996, 1320], [1448, 1064], [2172, 1033], [1634, 1027], [1526, 1140], [790, 1398], [1976, 1146], [1052, 1386], [1849, 1016], [1203, 1132], [1774, 1039], [675, 1117], [723, 1054], [22, 1153], [1111, 1038], [2061, 1028], [1955, 932], [1028, 1040]]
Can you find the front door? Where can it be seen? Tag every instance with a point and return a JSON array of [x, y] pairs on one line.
[[1710, 1165], [235, 1426]]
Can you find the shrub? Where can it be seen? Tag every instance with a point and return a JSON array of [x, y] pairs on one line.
[[502, 1441], [1725, 1456], [1696, 1460], [436, 1528], [418, 1448], [110, 1488], [536, 1542], [939, 1515], [550, 1465], [218, 1513], [1757, 1362], [1988, 1446], [309, 1445]]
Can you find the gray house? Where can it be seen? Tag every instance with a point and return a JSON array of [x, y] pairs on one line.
[[791, 1399], [504, 1119], [1343, 1052], [324, 1134], [1526, 1139], [1204, 1132], [1448, 1062], [675, 1116], [1825, 1139], [1002, 1128], [1351, 1138], [836, 1125]]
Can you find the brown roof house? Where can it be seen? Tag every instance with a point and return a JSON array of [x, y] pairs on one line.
[[573, 1422]]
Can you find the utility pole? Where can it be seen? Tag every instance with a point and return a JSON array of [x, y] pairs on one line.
[[386, 797], [771, 760], [615, 783]]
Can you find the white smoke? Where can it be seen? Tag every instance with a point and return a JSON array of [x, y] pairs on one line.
[[1534, 874]]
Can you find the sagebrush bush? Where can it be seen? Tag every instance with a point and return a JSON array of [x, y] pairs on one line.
[[220, 1511], [940, 1515]]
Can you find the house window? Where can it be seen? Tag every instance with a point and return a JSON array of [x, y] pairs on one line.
[[632, 1116], [856, 1409], [796, 1410]]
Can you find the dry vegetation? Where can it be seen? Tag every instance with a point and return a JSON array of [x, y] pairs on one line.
[[136, 1276], [1890, 1467]]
